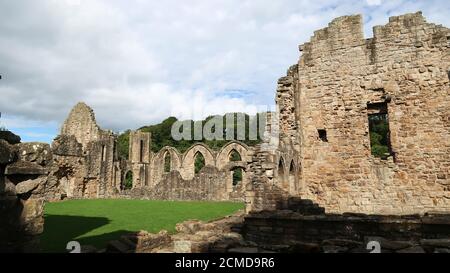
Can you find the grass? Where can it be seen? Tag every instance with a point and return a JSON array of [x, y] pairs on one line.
[[96, 222]]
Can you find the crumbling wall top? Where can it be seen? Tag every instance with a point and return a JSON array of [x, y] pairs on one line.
[[81, 123]]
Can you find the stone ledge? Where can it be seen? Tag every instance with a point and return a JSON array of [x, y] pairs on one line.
[[25, 168]]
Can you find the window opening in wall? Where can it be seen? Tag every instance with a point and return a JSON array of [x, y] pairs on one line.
[[128, 181], [281, 169], [380, 142], [199, 162], [235, 156], [237, 176], [141, 151], [167, 162], [103, 153], [323, 135]]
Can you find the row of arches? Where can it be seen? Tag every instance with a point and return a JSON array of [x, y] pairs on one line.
[[287, 178], [231, 158]]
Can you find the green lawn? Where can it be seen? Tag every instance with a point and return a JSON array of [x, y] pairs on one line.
[[95, 222]]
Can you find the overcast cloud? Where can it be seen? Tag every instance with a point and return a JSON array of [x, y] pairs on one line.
[[138, 62]]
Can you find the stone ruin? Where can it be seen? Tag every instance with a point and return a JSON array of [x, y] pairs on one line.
[[316, 157], [324, 102]]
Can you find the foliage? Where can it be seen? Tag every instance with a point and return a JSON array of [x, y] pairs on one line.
[[199, 162], [234, 156], [161, 136], [128, 183], [96, 222], [167, 162], [123, 143], [237, 176], [379, 135]]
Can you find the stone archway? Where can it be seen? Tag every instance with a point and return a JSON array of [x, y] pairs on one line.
[[281, 175], [234, 147], [160, 165], [188, 164]]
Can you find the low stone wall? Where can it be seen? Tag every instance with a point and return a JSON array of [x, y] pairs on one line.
[[209, 184], [293, 232]]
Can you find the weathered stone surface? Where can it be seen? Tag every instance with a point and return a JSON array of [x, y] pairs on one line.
[[9, 137], [415, 249], [39, 153], [243, 250], [441, 243], [33, 216], [81, 124], [182, 246], [140, 242], [27, 186], [190, 226], [324, 103], [67, 145], [25, 168], [390, 245], [442, 250], [344, 233], [8, 153]]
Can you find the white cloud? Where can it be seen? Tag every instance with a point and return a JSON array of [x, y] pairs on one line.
[[373, 2], [137, 62]]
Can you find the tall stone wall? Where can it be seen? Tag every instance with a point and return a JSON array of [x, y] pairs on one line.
[[340, 75], [81, 124], [86, 159]]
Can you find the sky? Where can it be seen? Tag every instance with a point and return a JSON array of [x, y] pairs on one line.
[[137, 62]]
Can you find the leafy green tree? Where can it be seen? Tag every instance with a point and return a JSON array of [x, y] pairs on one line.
[[237, 176], [199, 162], [379, 135], [128, 183], [161, 136]]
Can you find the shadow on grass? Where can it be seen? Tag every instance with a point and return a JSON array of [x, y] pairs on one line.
[[61, 229]]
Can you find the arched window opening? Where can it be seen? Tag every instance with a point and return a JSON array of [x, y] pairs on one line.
[[235, 156], [281, 169], [199, 162], [167, 163], [128, 183], [292, 168]]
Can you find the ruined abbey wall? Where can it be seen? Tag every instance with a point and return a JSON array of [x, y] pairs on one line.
[[324, 105], [152, 179], [85, 158]]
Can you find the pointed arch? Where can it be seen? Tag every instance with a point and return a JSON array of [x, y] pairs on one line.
[[223, 157], [234, 155], [281, 175], [199, 162], [189, 158]]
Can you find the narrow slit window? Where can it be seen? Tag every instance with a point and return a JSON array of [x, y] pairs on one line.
[[103, 153], [380, 142], [141, 152], [167, 163]]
